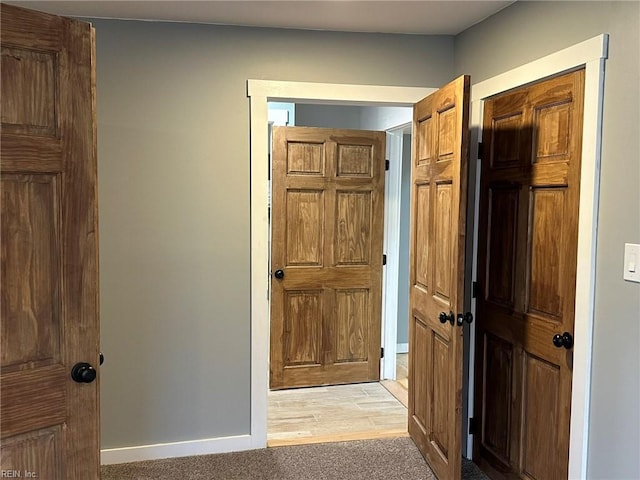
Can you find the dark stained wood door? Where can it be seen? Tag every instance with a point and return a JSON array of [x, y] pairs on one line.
[[49, 284], [327, 233], [527, 270], [438, 216]]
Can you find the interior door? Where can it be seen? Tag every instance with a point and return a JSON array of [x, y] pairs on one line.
[[527, 271], [326, 257], [49, 248], [436, 302]]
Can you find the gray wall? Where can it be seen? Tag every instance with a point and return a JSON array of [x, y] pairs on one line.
[[384, 118], [173, 153], [357, 117], [526, 31], [327, 116]]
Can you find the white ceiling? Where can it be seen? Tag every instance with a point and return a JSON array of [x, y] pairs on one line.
[[414, 17]]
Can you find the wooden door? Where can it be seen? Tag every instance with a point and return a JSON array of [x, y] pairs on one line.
[[438, 215], [50, 423], [527, 267], [327, 232]]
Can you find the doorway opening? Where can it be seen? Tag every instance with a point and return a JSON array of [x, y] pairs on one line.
[[356, 410]]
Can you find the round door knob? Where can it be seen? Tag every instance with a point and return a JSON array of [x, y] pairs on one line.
[[465, 317], [563, 340], [444, 318], [279, 274], [83, 373]]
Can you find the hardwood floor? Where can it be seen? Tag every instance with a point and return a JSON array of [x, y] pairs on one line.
[[399, 387], [402, 369], [334, 413]]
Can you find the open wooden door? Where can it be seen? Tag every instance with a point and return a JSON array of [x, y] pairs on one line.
[[49, 284], [438, 215], [327, 231]]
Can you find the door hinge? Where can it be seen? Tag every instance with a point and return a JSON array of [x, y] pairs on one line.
[[384, 259], [386, 164], [381, 352], [480, 150], [474, 426], [474, 289]]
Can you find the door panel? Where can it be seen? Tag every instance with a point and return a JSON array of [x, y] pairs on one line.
[[353, 228], [303, 322], [442, 242], [439, 190], [352, 311], [422, 239], [545, 238], [49, 424], [540, 406], [498, 357], [327, 231], [527, 259], [502, 215], [305, 212]]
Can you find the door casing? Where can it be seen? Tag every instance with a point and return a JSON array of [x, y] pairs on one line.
[[390, 282], [590, 53]]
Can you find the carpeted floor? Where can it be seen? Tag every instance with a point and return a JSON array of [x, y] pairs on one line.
[[396, 458]]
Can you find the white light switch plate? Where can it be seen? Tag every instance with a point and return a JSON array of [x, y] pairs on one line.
[[632, 262]]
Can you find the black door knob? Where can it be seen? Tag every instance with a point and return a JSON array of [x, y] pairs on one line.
[[444, 318], [563, 340], [101, 358], [279, 274], [464, 317], [83, 373]]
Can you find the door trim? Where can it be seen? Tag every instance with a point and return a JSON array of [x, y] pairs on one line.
[[391, 281], [259, 93], [391, 239], [592, 54]]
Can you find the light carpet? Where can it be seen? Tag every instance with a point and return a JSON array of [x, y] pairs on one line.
[[384, 459]]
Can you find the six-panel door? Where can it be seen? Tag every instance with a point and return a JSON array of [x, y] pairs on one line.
[[326, 258], [527, 269], [438, 214]]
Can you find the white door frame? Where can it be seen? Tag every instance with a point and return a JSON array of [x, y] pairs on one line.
[[260, 92], [390, 271], [592, 54], [391, 280]]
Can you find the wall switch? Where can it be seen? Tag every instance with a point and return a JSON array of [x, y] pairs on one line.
[[632, 262]]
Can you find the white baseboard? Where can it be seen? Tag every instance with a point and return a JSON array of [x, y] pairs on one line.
[[206, 446], [403, 348]]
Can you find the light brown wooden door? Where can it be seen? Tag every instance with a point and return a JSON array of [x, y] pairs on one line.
[[49, 423], [527, 268], [438, 215], [327, 232]]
